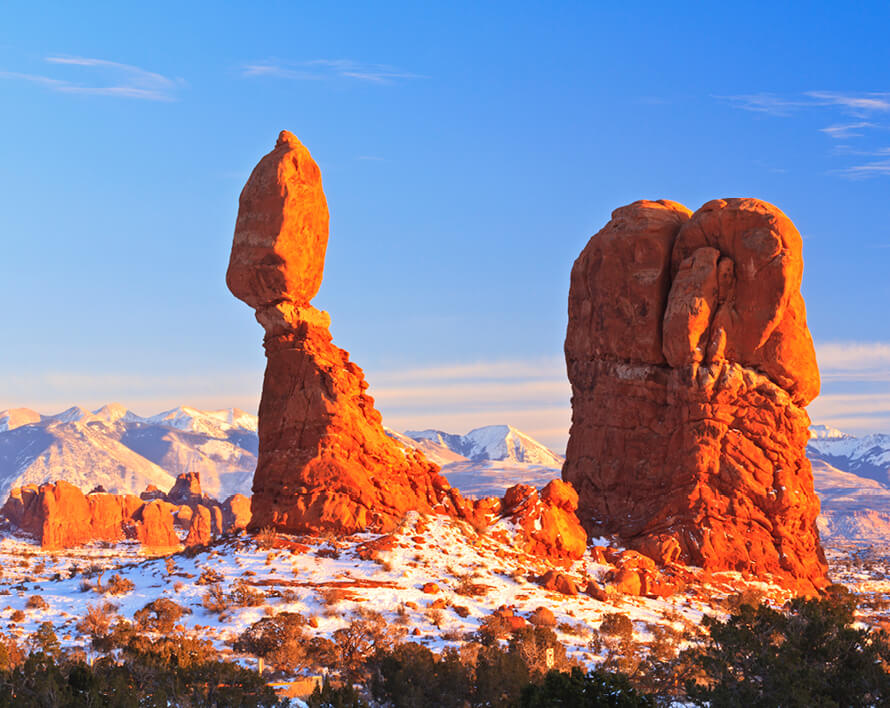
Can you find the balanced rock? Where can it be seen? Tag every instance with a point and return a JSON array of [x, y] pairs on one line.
[[691, 365], [325, 462]]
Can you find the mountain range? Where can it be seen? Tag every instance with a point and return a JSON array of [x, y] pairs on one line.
[[124, 453]]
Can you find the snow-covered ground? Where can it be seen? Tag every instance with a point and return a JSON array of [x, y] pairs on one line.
[[329, 580]]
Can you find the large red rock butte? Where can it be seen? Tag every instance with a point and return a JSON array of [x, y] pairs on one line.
[[691, 365]]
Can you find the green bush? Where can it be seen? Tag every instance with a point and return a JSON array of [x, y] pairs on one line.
[[809, 655], [594, 690]]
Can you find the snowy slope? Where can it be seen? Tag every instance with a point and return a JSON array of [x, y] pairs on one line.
[[854, 509], [433, 451], [16, 417], [124, 452]]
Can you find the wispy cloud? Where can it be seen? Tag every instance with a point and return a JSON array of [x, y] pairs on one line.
[[321, 69], [106, 78], [868, 169], [775, 104], [841, 131], [856, 116], [862, 103], [531, 394], [853, 356], [766, 103], [855, 386]]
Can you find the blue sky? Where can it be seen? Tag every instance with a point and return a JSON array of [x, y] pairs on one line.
[[468, 153]]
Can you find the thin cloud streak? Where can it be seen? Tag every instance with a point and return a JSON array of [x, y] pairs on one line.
[[853, 356], [126, 80], [864, 103], [325, 69], [532, 394], [869, 169], [774, 104], [841, 131]]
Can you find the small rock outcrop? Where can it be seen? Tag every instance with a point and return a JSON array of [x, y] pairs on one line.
[[236, 513], [691, 365], [549, 526], [186, 490], [60, 515], [325, 462], [200, 531]]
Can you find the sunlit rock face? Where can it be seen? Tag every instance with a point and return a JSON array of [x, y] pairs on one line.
[[691, 365], [324, 462]]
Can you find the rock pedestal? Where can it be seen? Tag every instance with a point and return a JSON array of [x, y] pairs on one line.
[[324, 461]]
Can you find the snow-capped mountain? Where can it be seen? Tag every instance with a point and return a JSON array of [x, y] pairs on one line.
[[868, 456], [852, 479], [492, 442], [124, 452], [486, 461]]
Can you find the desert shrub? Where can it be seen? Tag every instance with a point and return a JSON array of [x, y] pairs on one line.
[[330, 696], [412, 675], [215, 600], [266, 538], [97, 620], [494, 627], [36, 602], [617, 625], [243, 595], [367, 634], [209, 576], [539, 649], [45, 641], [575, 688], [11, 654], [118, 585], [17, 616], [750, 596], [160, 615], [468, 588], [436, 616], [281, 639], [807, 655]]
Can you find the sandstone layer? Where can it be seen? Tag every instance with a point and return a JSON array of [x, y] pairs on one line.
[[691, 365]]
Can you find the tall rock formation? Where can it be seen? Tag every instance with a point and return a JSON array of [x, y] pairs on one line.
[[691, 365], [325, 462]]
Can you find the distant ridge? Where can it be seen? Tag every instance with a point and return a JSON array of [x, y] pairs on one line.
[[492, 442], [123, 452]]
